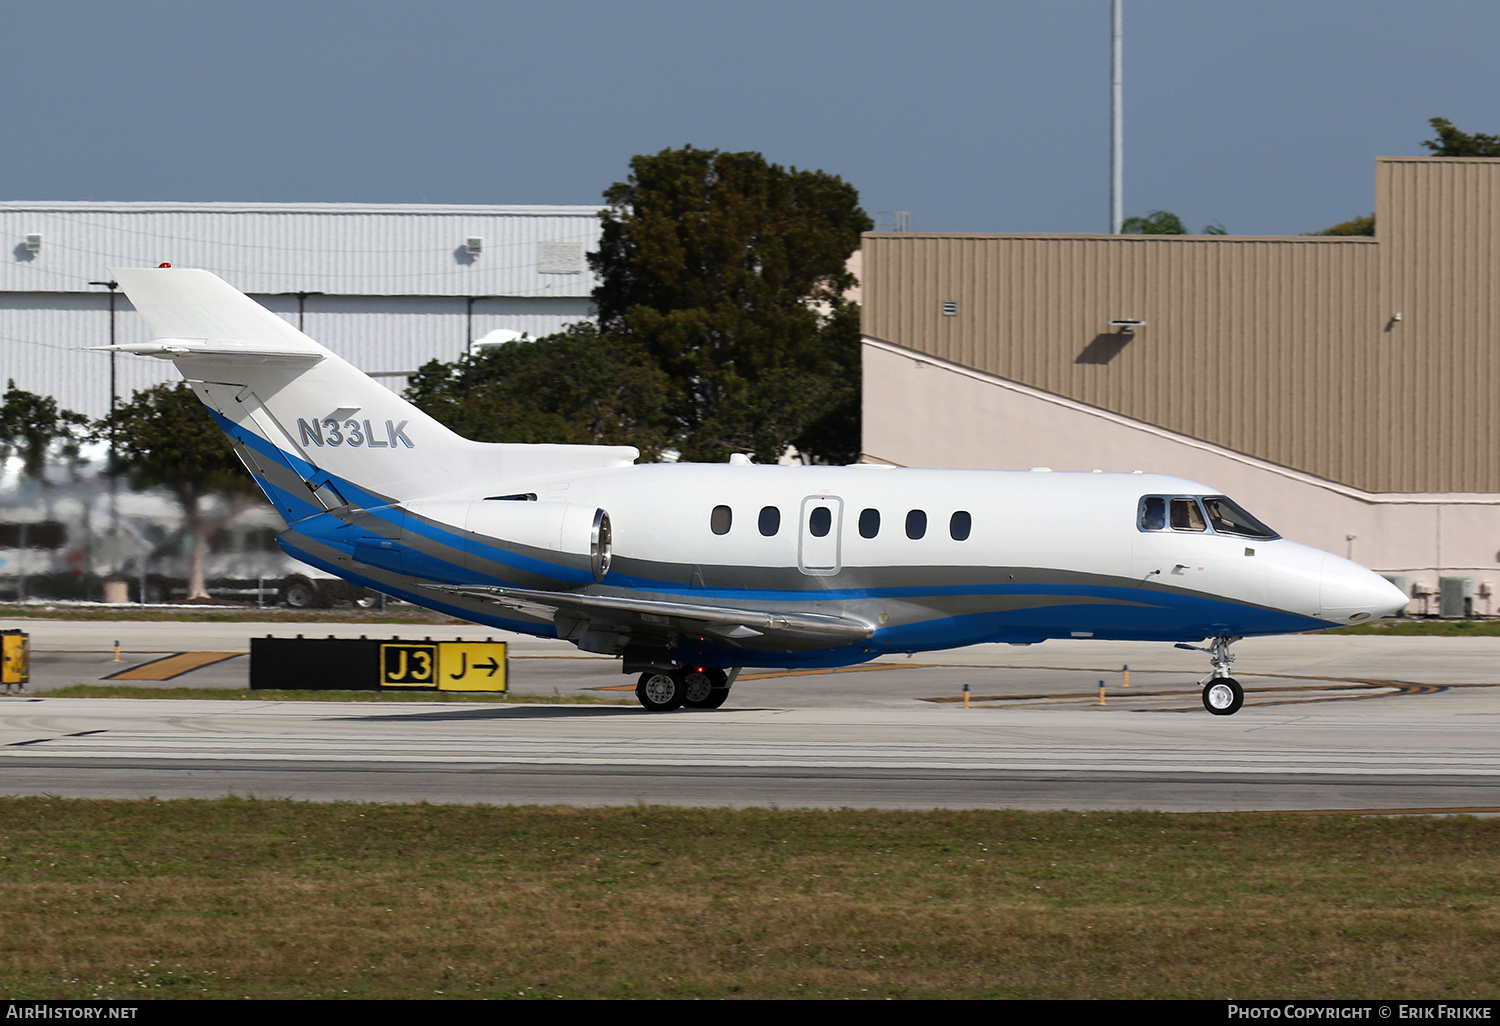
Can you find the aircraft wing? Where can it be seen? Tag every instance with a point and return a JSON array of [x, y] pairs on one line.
[[574, 612]]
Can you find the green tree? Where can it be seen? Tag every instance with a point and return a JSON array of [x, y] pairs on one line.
[[32, 427], [1450, 142], [577, 386], [730, 272], [165, 437], [1357, 226], [1164, 222], [1153, 222]]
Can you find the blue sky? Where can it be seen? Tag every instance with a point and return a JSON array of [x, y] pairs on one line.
[[1263, 115]]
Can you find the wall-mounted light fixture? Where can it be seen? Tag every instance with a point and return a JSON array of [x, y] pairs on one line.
[[34, 242], [474, 245], [1126, 325]]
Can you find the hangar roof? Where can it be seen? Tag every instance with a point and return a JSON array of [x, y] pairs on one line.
[[330, 248]]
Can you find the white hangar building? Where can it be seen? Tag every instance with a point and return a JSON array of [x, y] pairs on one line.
[[387, 287]]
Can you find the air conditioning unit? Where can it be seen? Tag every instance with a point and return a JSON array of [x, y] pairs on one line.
[[1456, 598]]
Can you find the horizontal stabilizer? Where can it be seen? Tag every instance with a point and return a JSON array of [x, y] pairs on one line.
[[219, 348], [184, 304]]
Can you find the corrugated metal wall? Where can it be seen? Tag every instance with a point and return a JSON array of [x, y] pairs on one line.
[[339, 249], [388, 286], [1281, 348], [43, 338], [1439, 227]]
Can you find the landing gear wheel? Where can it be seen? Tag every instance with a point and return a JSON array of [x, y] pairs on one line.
[[299, 593], [696, 687], [1223, 696], [704, 689], [660, 691]]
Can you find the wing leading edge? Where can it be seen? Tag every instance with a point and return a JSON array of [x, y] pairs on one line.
[[574, 613]]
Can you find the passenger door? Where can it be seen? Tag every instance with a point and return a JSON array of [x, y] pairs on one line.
[[820, 527]]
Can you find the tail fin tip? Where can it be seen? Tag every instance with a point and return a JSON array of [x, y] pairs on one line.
[[182, 304]]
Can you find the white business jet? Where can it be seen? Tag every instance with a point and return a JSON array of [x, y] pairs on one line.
[[690, 572]]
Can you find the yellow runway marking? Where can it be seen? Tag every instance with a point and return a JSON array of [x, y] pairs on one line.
[[172, 666]]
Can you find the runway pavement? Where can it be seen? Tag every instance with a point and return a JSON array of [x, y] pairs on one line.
[[1374, 723]]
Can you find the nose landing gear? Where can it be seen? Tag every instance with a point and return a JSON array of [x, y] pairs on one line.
[[1222, 694]]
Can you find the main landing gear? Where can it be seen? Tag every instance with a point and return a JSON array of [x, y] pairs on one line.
[[665, 690], [1222, 694]]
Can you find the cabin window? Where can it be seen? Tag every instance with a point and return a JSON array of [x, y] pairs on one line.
[[959, 526], [916, 524], [770, 521], [819, 521], [869, 523], [1186, 516], [720, 520]]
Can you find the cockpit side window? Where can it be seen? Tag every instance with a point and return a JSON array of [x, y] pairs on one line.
[[1187, 513], [1153, 513], [1186, 516]]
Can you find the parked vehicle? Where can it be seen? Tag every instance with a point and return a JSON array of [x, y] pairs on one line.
[[65, 538]]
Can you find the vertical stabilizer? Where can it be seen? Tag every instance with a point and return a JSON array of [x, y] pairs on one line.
[[316, 431]]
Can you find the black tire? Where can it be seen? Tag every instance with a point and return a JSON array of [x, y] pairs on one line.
[[659, 691], [704, 689], [697, 685], [1223, 696], [299, 593], [716, 698]]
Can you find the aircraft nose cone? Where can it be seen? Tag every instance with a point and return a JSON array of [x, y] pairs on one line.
[[1348, 593]]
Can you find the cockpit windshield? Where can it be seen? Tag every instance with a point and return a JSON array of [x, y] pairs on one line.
[[1199, 513], [1228, 518]]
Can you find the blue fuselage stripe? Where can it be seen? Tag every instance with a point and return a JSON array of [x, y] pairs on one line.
[[1113, 611]]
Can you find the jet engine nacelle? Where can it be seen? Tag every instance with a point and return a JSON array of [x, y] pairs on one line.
[[574, 535]]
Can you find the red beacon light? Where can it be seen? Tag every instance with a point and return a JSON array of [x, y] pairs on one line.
[[163, 265]]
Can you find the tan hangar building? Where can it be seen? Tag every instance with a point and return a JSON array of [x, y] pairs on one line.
[[1345, 389]]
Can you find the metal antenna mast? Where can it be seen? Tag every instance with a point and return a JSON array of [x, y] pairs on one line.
[[1117, 126]]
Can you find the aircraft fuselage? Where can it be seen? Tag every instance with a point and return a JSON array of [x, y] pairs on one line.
[[929, 559]]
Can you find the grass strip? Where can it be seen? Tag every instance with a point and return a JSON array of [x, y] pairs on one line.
[[222, 614], [281, 695], [1427, 628], [276, 899], [1489, 627]]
